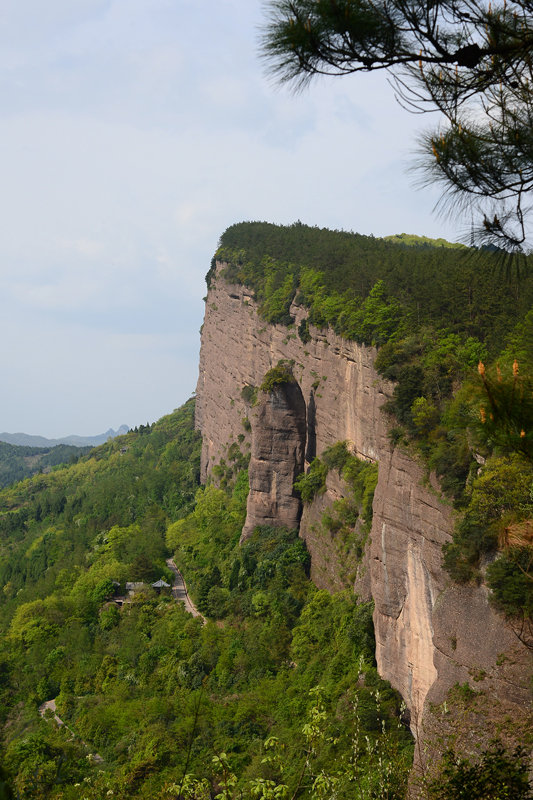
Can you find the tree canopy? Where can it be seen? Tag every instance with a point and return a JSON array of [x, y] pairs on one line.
[[468, 59]]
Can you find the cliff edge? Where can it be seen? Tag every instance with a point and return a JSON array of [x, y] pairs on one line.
[[431, 635]]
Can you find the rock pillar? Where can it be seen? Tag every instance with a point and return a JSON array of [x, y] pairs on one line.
[[277, 458]]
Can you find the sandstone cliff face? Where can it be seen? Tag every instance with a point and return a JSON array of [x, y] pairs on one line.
[[430, 634], [277, 458]]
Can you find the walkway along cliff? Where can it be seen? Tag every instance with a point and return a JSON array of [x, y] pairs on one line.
[[431, 634]]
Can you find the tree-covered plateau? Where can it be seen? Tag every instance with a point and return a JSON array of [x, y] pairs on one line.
[[458, 343]]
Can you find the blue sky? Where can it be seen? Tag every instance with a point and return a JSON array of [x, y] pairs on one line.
[[132, 133]]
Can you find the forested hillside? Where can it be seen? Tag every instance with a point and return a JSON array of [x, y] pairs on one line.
[[18, 462], [151, 692], [277, 695], [348, 280]]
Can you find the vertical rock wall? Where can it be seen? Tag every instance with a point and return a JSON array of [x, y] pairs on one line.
[[427, 633], [410, 525], [277, 458]]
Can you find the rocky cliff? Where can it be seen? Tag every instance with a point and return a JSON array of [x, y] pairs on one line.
[[430, 633], [277, 458]]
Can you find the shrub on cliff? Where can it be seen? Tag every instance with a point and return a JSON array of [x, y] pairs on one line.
[[277, 376], [498, 517], [497, 775], [336, 456], [249, 394], [312, 482], [360, 476]]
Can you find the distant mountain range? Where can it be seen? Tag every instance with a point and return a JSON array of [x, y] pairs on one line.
[[27, 440]]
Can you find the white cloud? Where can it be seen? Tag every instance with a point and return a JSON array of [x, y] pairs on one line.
[[133, 133]]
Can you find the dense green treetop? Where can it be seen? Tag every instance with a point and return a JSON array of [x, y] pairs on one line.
[[334, 272], [421, 241]]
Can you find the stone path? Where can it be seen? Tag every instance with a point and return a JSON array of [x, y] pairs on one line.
[[51, 705], [179, 590]]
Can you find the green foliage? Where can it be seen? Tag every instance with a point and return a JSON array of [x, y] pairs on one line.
[[365, 772], [277, 376], [346, 521], [151, 689], [326, 638], [424, 415], [453, 462], [496, 775], [506, 408], [249, 394], [312, 482], [509, 579], [520, 343], [362, 478], [377, 290], [378, 320], [336, 456], [227, 469], [421, 241], [44, 761], [18, 462], [500, 495], [68, 541], [154, 691], [303, 331], [278, 294]]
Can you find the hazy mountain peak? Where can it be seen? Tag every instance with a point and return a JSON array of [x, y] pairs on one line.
[[30, 440]]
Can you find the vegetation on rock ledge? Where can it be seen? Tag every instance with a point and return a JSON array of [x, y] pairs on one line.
[[277, 376], [435, 313]]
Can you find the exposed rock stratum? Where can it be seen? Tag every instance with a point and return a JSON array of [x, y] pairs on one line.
[[430, 633]]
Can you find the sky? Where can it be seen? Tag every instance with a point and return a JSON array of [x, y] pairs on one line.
[[132, 134]]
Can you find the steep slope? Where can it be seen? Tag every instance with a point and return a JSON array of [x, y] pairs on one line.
[[430, 633]]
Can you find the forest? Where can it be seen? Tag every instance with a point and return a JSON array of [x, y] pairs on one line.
[[159, 700], [276, 694], [18, 462]]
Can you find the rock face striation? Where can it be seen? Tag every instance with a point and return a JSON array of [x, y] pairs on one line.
[[430, 633], [277, 458]]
